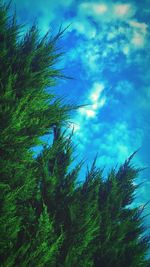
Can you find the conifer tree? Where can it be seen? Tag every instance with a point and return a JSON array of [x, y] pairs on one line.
[[85, 219], [121, 239], [57, 185], [99, 226], [27, 112]]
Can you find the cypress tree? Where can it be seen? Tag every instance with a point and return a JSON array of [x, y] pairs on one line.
[[121, 239], [85, 219], [27, 112], [57, 186]]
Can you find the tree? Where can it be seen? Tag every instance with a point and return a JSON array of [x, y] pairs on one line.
[[121, 238], [100, 227], [74, 207], [27, 112]]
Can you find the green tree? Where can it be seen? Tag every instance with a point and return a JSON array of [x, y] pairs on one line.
[[74, 206], [99, 225], [121, 239], [85, 218], [27, 112]]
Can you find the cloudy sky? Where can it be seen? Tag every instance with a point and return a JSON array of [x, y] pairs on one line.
[[106, 52]]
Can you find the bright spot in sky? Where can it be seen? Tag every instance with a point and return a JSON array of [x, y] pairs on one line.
[[93, 8], [139, 33], [138, 39], [122, 9], [90, 113], [139, 25], [74, 126], [97, 101], [96, 92], [99, 8], [95, 106], [126, 50]]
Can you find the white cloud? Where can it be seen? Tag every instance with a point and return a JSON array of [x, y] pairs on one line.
[[102, 102], [98, 104], [139, 33], [74, 126], [126, 49], [103, 40], [123, 10], [138, 39], [106, 12], [83, 27], [92, 8], [96, 91], [97, 101], [99, 8], [83, 130], [139, 25], [107, 45], [89, 113]]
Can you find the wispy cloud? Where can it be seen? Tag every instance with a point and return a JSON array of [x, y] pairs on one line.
[[124, 11], [106, 11], [95, 101]]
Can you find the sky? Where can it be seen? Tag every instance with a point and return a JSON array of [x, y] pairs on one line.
[[106, 53]]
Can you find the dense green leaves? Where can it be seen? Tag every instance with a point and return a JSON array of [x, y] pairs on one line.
[[27, 112], [48, 218]]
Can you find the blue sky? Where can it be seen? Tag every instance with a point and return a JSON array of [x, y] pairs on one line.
[[106, 52]]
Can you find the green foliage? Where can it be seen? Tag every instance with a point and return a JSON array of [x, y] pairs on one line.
[[27, 112], [84, 221], [120, 237], [48, 219], [44, 247], [9, 223]]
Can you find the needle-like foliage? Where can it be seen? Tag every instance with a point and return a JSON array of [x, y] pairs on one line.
[[27, 112]]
